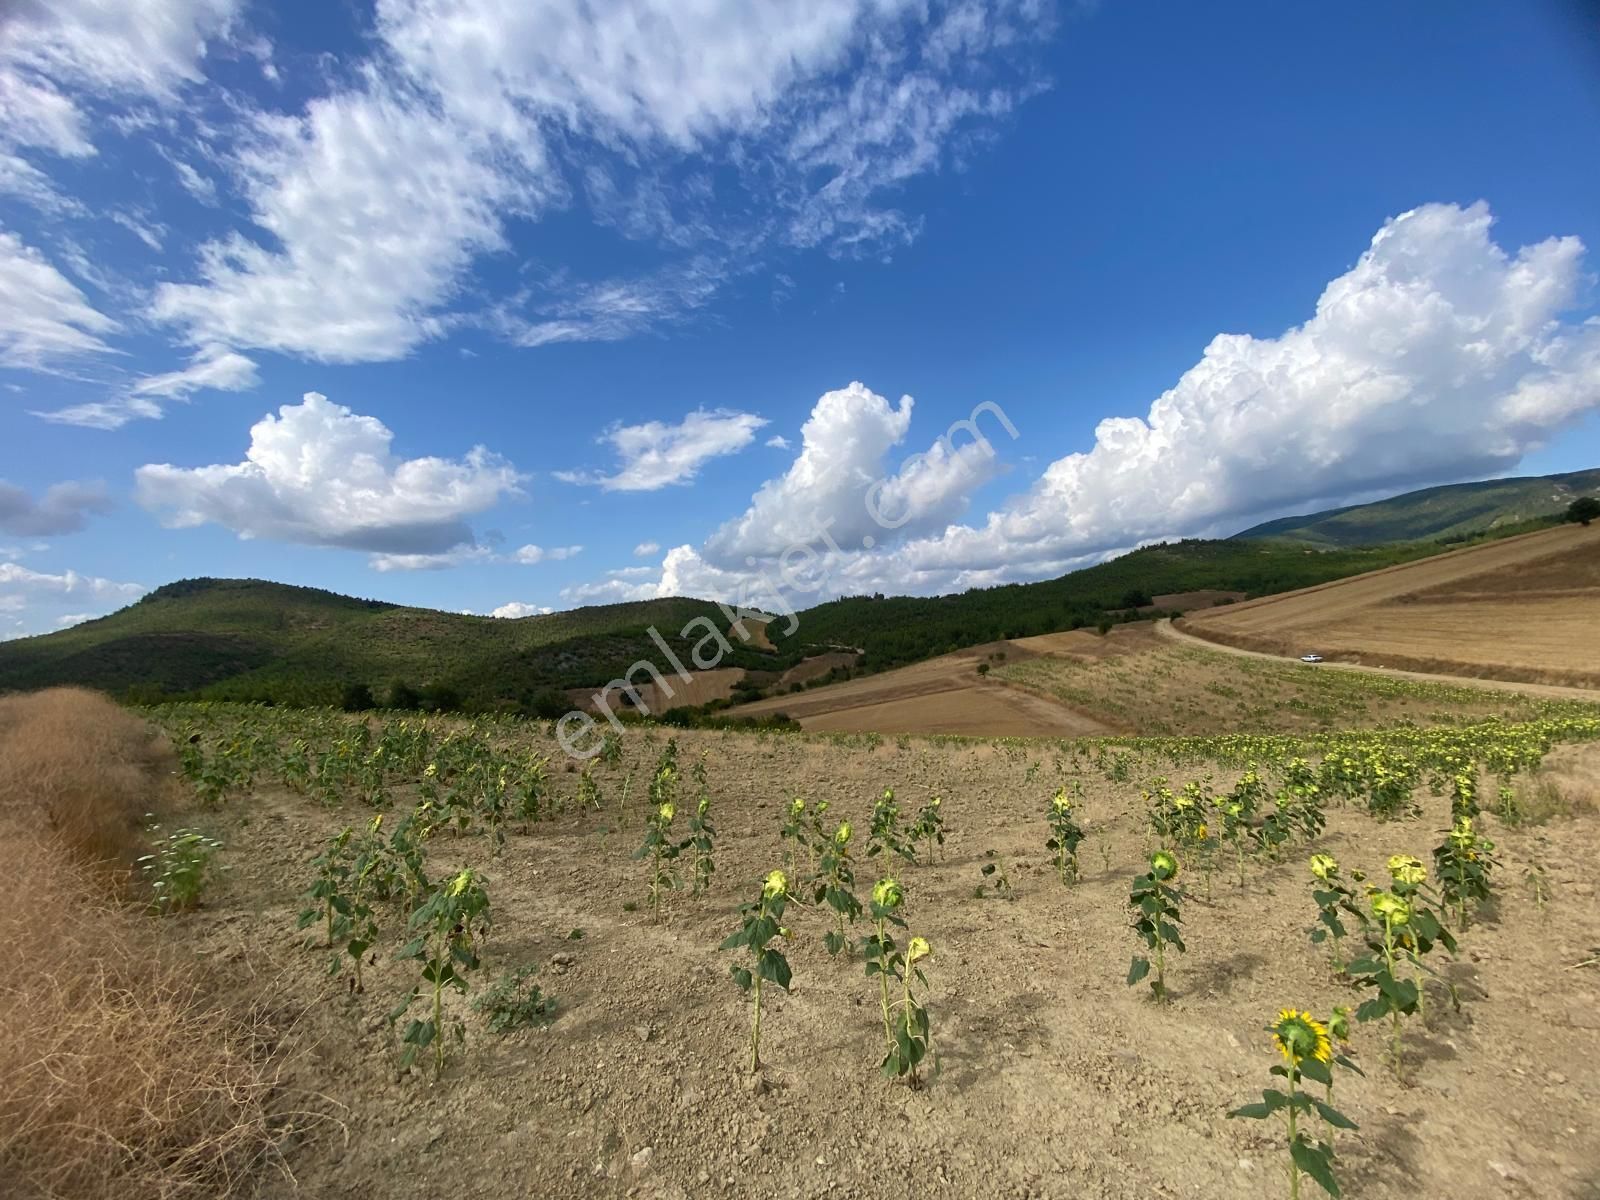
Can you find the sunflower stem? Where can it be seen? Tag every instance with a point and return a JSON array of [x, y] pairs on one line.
[[1294, 1171]]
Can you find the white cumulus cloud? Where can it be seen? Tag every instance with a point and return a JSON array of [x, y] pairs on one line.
[[536, 554], [320, 475], [843, 483], [645, 549], [1439, 357], [657, 454], [515, 609]]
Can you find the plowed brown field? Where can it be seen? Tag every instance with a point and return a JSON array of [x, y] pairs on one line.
[[1527, 608]]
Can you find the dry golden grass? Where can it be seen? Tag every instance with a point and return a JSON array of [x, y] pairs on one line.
[[121, 1078], [1568, 787], [82, 769]]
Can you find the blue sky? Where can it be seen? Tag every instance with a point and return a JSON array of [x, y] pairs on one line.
[[488, 312]]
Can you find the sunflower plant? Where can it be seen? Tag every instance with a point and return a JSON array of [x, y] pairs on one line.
[[533, 786], [445, 931], [884, 833], [834, 884], [928, 829], [327, 899], [1307, 1055], [662, 851], [1066, 835], [702, 833], [884, 959], [588, 788], [1277, 827], [1337, 903], [911, 1039], [760, 923], [1239, 809], [1539, 887], [1154, 899], [995, 880], [1425, 929], [796, 829], [1463, 862], [1304, 798], [1403, 930]]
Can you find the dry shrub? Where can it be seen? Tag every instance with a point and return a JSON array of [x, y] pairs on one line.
[[1544, 800], [121, 1079], [83, 769], [1567, 787]]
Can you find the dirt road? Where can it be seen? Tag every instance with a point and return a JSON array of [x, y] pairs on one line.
[[1166, 629]]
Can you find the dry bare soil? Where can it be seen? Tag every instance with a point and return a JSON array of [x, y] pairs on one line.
[[1054, 1079], [1526, 608]]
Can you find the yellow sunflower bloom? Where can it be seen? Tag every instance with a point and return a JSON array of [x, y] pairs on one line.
[[1324, 866], [1388, 907], [1300, 1036], [1405, 869]]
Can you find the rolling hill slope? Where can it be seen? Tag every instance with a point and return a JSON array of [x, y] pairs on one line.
[[896, 630], [253, 640], [1440, 513]]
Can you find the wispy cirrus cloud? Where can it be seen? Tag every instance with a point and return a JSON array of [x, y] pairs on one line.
[[44, 319], [212, 368], [713, 132]]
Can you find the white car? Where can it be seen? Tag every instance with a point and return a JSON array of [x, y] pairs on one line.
[[1311, 658]]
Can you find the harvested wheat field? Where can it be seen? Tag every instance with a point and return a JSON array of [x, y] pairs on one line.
[[1525, 608], [1045, 1073], [942, 695]]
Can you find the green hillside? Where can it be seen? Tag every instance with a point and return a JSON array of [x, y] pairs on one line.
[[1438, 514], [246, 639], [894, 630]]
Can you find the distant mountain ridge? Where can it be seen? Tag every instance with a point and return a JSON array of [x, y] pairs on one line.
[[1455, 510], [251, 639]]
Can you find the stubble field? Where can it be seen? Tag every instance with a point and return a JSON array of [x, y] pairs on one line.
[[1522, 609]]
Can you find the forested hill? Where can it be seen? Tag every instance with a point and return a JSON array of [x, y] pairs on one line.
[[248, 639], [1438, 514], [900, 629]]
